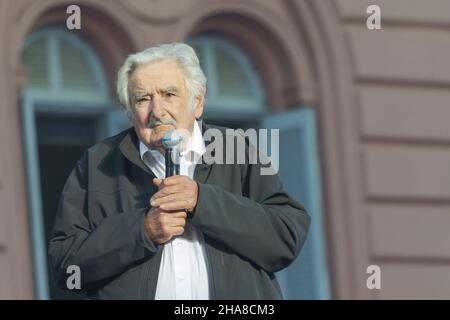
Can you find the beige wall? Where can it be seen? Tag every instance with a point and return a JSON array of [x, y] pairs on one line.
[[381, 99], [402, 79]]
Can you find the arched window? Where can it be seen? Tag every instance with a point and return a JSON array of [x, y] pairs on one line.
[[234, 91], [61, 65]]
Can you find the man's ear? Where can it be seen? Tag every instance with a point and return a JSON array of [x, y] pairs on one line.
[[199, 103]]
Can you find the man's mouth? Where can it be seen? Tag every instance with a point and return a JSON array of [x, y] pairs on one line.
[[162, 127], [157, 123]]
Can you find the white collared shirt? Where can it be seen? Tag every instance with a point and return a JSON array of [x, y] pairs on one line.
[[183, 273]]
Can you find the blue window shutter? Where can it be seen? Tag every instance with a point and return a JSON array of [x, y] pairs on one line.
[[307, 276]]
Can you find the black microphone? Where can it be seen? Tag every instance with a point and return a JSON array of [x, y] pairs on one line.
[[172, 142]]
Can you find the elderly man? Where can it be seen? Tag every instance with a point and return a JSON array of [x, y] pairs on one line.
[[216, 231]]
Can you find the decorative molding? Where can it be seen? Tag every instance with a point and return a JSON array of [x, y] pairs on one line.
[[339, 144], [157, 11], [273, 44]]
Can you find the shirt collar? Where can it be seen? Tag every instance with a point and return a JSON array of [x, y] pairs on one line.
[[196, 143]]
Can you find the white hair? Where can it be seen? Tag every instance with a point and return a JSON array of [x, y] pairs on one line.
[[181, 53]]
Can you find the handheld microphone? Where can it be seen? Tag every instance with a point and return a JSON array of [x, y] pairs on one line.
[[172, 142]]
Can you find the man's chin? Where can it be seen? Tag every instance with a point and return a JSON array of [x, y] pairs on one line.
[[153, 138], [158, 134], [161, 129]]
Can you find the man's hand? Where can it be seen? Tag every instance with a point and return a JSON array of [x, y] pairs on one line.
[[175, 193], [161, 226], [167, 217]]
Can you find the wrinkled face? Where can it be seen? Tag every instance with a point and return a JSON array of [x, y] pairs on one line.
[[160, 101]]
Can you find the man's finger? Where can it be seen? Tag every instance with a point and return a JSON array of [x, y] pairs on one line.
[[166, 191], [177, 222], [170, 181], [175, 205], [157, 181], [175, 214], [169, 198], [178, 231]]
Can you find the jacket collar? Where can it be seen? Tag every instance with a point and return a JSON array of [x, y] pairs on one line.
[[129, 146], [202, 169]]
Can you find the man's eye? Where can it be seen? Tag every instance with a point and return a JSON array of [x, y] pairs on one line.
[[170, 94]]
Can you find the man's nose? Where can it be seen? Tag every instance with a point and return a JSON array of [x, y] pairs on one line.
[[158, 109]]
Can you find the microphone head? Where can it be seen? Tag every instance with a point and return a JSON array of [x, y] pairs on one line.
[[171, 139]]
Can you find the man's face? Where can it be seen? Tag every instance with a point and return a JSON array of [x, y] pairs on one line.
[[160, 101]]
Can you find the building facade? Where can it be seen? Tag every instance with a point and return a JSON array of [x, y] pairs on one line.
[[363, 118]]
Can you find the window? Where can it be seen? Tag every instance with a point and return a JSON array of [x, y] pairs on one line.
[[61, 65], [234, 95], [65, 109]]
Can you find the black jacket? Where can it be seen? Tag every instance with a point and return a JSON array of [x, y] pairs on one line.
[[252, 228]]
